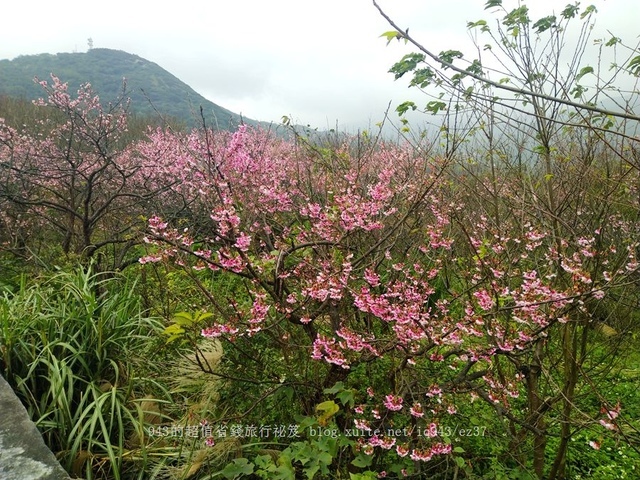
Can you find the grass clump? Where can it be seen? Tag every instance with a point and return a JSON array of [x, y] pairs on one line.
[[75, 348]]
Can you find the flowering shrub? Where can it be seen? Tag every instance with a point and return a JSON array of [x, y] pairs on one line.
[[365, 286], [71, 179], [381, 271], [394, 301]]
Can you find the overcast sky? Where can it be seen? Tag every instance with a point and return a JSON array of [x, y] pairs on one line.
[[317, 61]]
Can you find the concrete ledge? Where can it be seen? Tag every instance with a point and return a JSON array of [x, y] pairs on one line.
[[23, 454]]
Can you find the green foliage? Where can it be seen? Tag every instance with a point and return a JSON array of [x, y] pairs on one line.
[[73, 347], [613, 41], [611, 461], [634, 66], [590, 10], [435, 107], [76, 347], [449, 56], [408, 63], [184, 323], [309, 458], [544, 24], [237, 469], [515, 19], [368, 475], [570, 11], [404, 107], [584, 71], [345, 395], [325, 411], [479, 23], [393, 34], [423, 77]]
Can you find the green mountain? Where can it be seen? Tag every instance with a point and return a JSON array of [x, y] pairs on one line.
[[151, 88]]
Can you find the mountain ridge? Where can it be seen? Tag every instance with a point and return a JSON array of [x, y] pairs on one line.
[[153, 90]]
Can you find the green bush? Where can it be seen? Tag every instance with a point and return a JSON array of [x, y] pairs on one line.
[[73, 347]]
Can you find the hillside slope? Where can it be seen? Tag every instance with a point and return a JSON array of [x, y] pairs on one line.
[[151, 88]]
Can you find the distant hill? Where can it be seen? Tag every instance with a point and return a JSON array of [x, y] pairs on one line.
[[149, 86]]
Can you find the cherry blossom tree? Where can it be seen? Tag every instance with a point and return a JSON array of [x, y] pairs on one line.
[[71, 180], [381, 275], [547, 110]]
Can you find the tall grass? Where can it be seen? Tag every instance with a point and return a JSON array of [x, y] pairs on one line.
[[74, 348]]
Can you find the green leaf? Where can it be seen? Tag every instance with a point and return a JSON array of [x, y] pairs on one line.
[[174, 329], [634, 66], [584, 71], [406, 64], [588, 11], [422, 77], [347, 397], [311, 470], [368, 475], [479, 23], [449, 56], [183, 318], [475, 68], [517, 16], [288, 393], [392, 34], [324, 458], [338, 387], [435, 106], [326, 410], [540, 149], [544, 24], [460, 462], [570, 11], [492, 4], [405, 106], [284, 472], [609, 123], [362, 460], [239, 467], [201, 316], [265, 462], [458, 450], [578, 91], [613, 41], [305, 422]]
